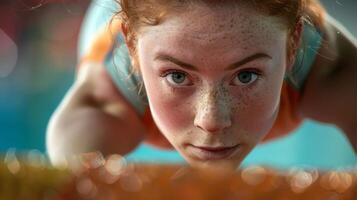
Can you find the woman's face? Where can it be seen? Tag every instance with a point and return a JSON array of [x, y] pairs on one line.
[[213, 79]]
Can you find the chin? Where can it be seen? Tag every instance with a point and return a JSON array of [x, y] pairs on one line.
[[216, 165], [229, 160], [213, 164]]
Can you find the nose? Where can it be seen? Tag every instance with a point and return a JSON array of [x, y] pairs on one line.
[[213, 114]]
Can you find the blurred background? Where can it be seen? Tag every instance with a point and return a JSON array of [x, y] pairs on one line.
[[38, 55]]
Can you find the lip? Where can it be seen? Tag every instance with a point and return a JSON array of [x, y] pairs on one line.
[[212, 153]]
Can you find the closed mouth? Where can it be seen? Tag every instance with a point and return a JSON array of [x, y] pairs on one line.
[[212, 153]]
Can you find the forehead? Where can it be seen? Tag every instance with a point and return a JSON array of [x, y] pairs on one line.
[[219, 29]]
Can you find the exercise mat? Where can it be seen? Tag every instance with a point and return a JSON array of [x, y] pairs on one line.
[[31, 177]]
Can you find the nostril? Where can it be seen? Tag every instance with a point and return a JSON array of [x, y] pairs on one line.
[[211, 125], [212, 118], [209, 129]]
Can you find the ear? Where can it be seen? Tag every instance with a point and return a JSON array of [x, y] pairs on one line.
[[294, 44]]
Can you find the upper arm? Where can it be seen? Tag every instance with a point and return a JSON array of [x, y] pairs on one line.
[[94, 89], [107, 96], [93, 86], [330, 92], [93, 116]]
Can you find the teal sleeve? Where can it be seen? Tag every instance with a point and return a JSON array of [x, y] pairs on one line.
[[130, 84], [117, 61], [311, 42]]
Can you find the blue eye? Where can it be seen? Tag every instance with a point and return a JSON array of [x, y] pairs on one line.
[[245, 78], [177, 78]]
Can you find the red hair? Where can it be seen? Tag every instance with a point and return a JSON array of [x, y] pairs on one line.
[[137, 13]]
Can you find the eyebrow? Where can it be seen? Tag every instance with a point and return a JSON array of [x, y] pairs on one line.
[[256, 56]]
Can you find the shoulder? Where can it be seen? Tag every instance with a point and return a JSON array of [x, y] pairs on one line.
[[325, 86], [311, 41], [329, 93], [98, 15]]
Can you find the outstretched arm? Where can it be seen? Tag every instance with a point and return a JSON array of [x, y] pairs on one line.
[[330, 92], [93, 116]]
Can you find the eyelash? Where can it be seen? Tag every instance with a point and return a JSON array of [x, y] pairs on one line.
[[257, 72], [166, 73]]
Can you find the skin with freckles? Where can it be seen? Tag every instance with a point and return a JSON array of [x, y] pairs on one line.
[[213, 79]]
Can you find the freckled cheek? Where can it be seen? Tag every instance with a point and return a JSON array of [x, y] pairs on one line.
[[172, 111], [255, 112]]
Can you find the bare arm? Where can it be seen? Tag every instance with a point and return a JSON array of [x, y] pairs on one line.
[[93, 116], [330, 93]]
